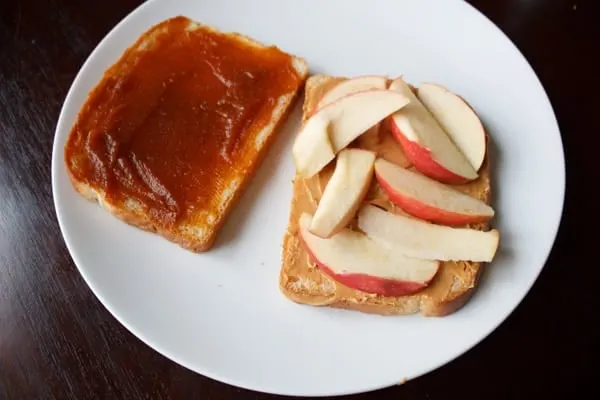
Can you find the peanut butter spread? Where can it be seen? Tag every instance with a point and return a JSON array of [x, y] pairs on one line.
[[300, 275]]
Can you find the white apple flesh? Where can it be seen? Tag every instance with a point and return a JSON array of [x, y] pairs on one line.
[[427, 199], [344, 192], [458, 119], [425, 143], [313, 150], [354, 85], [427, 241], [336, 125], [356, 261]]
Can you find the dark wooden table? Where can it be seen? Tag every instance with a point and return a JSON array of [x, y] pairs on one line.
[[56, 339]]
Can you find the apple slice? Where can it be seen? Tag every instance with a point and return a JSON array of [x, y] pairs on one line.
[[354, 85], [425, 143], [344, 192], [424, 240], [336, 125], [427, 199], [312, 149], [458, 119], [356, 261]]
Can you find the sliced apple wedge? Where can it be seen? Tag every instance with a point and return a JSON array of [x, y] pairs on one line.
[[344, 192], [356, 261], [458, 119], [313, 150], [427, 241], [425, 143], [336, 125], [354, 85], [427, 199]]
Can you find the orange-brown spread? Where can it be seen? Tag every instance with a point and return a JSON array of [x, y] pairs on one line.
[[172, 116]]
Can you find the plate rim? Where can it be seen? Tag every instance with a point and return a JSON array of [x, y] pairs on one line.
[[105, 302]]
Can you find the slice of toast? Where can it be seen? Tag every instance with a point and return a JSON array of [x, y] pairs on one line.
[[177, 127], [301, 281]]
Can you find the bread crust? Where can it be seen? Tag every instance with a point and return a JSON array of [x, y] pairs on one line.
[[302, 282], [194, 235]]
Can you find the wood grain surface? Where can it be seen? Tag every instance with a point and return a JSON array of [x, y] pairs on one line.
[[58, 342]]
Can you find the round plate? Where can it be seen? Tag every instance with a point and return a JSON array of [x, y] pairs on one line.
[[221, 313]]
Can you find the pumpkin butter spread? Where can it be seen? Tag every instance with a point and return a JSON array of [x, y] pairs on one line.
[[301, 275], [174, 121]]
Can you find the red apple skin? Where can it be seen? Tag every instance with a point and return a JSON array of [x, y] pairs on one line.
[[421, 159], [368, 283], [426, 212], [375, 285]]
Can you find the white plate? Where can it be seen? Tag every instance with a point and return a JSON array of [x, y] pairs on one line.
[[221, 313]]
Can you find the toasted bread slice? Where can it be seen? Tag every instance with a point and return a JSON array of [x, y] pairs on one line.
[[301, 281], [174, 132]]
